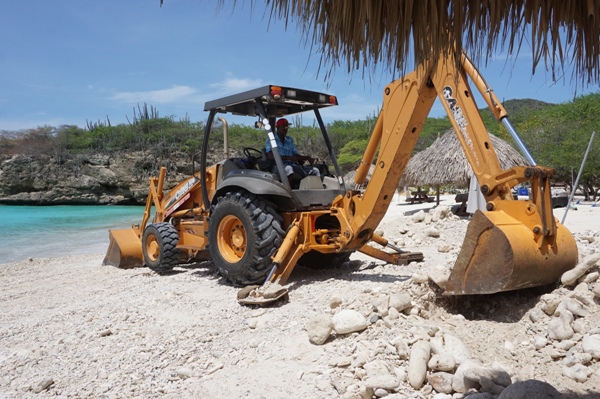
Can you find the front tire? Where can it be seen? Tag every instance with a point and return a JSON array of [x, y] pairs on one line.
[[159, 247], [244, 232]]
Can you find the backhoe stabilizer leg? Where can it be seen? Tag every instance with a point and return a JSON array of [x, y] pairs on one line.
[[401, 258], [284, 262]]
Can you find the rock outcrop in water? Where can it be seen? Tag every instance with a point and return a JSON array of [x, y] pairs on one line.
[[85, 179]]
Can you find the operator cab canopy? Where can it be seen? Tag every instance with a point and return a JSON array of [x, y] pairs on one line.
[[268, 103], [278, 101]]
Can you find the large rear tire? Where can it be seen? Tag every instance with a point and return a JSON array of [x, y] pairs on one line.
[[159, 247], [244, 232]]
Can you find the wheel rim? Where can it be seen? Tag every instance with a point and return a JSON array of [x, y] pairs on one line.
[[152, 247], [232, 239]]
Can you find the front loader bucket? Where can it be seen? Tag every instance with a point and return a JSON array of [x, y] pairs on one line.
[[500, 253], [124, 249]]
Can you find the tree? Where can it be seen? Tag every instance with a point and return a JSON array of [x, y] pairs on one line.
[[558, 136]]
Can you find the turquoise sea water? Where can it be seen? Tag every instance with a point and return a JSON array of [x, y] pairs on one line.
[[55, 231]]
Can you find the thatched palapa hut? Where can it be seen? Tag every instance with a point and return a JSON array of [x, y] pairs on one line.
[[445, 162]]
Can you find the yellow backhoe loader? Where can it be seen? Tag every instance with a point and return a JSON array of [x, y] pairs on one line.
[[244, 215]]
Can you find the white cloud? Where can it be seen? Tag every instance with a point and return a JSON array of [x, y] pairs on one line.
[[186, 94], [358, 107], [234, 85], [352, 106], [32, 123], [162, 96]]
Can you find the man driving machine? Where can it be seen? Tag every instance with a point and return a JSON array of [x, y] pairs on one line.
[[289, 153]]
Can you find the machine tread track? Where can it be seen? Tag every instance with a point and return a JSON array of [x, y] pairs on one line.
[[262, 233]]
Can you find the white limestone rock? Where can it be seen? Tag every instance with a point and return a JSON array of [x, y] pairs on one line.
[[442, 362], [460, 383], [457, 348], [577, 372], [432, 232], [319, 328], [591, 344], [559, 328], [570, 277], [418, 217], [388, 382], [400, 301], [572, 305], [401, 347], [539, 342], [348, 321], [596, 290], [441, 381], [472, 375], [381, 304], [417, 364], [549, 303]]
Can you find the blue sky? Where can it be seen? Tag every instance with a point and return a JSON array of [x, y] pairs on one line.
[[66, 62]]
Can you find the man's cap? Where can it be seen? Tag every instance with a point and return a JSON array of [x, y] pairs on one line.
[[282, 122]]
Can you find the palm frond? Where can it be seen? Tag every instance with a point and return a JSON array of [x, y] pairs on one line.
[[362, 34]]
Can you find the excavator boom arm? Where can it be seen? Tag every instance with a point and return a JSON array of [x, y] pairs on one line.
[[406, 104], [513, 244]]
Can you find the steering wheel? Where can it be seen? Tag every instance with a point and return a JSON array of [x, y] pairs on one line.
[[250, 152]]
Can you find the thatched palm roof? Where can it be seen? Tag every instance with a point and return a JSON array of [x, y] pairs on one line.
[[445, 162], [349, 177], [362, 34]]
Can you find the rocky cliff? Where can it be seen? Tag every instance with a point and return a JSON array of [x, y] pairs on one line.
[[85, 179]]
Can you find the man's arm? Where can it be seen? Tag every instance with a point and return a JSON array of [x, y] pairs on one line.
[[302, 158], [299, 159], [296, 158]]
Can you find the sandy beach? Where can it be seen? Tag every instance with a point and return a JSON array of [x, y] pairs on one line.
[[72, 328]]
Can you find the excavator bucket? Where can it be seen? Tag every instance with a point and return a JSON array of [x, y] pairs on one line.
[[124, 249], [500, 253]]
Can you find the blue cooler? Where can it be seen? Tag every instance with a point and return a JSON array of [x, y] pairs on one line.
[[523, 193]]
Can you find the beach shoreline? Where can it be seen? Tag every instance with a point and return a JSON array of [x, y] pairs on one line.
[[74, 328]]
